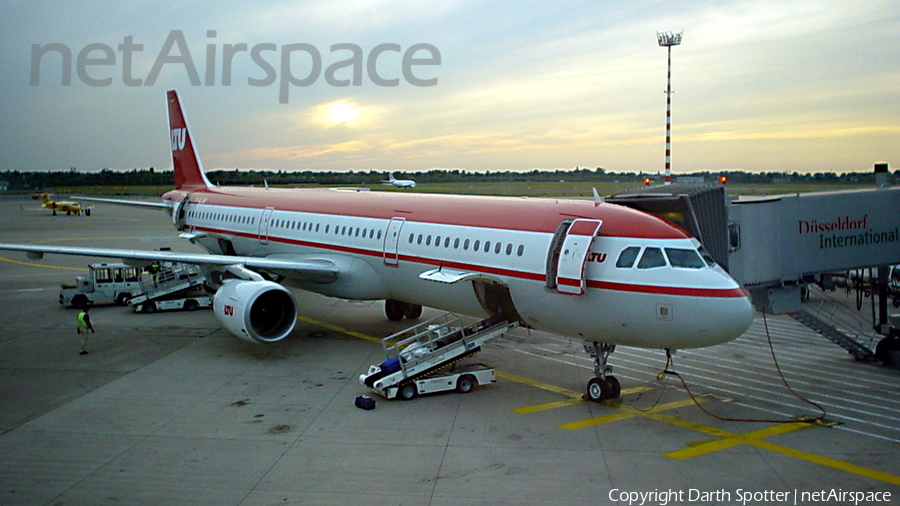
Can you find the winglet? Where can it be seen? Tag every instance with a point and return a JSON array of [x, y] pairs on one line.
[[188, 172]]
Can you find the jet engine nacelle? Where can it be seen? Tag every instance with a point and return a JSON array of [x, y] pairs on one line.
[[255, 311]]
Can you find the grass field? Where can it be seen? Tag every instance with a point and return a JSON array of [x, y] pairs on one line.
[[583, 189], [543, 189]]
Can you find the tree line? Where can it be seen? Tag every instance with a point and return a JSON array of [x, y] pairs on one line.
[[34, 181]]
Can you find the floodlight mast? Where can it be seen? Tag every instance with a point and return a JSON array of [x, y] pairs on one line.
[[667, 40]]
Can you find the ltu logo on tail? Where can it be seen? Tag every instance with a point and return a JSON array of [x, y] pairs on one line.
[[178, 137]]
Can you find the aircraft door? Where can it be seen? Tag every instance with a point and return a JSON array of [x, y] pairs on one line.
[[392, 241], [179, 211], [576, 247], [264, 225]]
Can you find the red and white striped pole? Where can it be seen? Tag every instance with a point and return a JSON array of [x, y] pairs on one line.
[[667, 40]]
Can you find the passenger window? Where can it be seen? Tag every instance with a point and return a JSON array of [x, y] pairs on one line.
[[477, 245], [684, 258], [652, 258], [627, 257], [520, 250]]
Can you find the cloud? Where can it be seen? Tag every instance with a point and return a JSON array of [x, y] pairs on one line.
[[520, 85]]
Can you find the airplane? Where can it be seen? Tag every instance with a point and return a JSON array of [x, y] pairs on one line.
[[399, 183], [608, 274], [68, 206]]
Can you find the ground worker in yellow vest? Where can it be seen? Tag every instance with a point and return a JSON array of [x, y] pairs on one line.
[[84, 325]]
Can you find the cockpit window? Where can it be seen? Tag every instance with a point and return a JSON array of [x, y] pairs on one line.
[[684, 258], [707, 257], [627, 257], [652, 257]]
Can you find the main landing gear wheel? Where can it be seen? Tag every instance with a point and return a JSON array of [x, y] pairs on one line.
[[603, 386], [413, 311], [397, 310]]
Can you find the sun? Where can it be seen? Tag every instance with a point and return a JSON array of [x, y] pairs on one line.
[[342, 113]]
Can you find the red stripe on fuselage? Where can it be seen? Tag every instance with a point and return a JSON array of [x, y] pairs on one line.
[[508, 213], [498, 271], [682, 291]]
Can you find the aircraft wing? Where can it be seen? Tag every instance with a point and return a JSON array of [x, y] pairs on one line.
[[135, 203], [320, 271]]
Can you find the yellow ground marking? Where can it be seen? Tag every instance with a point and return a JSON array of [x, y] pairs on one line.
[[537, 384], [29, 264], [548, 405], [798, 454], [627, 412], [828, 462], [65, 239], [561, 404], [131, 238], [735, 440], [752, 438], [341, 330]]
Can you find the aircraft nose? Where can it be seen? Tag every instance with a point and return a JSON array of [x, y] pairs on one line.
[[731, 318]]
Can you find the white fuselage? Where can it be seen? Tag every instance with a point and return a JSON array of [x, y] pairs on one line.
[[385, 257]]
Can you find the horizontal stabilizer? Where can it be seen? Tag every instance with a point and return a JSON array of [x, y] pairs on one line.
[[134, 203]]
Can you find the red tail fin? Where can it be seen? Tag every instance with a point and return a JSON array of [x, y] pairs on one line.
[[188, 172]]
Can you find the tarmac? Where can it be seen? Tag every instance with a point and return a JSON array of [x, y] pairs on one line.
[[170, 408]]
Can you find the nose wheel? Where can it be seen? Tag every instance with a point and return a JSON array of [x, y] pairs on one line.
[[603, 386]]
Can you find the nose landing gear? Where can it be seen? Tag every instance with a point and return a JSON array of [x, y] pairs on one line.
[[603, 386]]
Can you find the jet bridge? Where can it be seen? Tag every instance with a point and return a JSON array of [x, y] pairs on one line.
[[775, 245]]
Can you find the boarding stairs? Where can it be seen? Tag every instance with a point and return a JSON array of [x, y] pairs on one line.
[[833, 334], [426, 348]]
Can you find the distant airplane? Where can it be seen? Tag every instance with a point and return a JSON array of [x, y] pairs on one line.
[[605, 273], [399, 183], [68, 206]]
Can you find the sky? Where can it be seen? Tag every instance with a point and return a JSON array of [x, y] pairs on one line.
[[758, 85]]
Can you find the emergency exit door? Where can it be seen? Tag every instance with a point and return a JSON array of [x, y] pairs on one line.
[[264, 220], [392, 242]]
